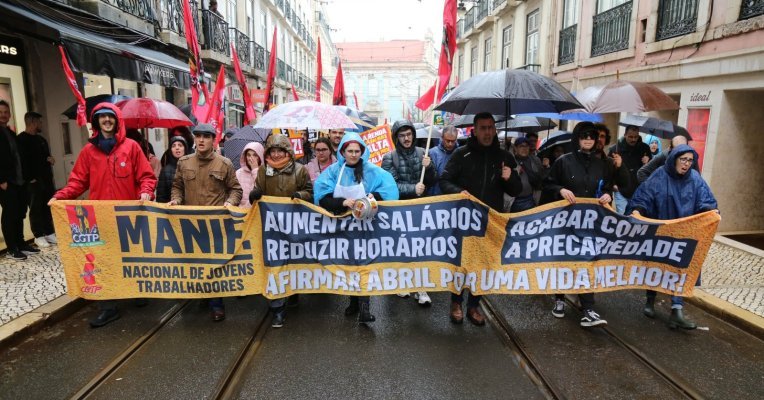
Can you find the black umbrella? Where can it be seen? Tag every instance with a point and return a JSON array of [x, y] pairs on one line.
[[559, 137], [92, 101], [243, 136], [654, 126], [468, 120], [421, 133], [509, 91], [527, 124]]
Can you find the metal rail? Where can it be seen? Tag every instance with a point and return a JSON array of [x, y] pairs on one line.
[[228, 387]]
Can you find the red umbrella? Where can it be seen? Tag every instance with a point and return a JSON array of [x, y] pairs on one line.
[[625, 96], [149, 113]]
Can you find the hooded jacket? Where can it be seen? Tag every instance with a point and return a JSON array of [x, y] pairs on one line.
[[439, 157], [632, 160], [246, 175], [167, 174], [375, 179], [669, 195], [290, 179], [477, 169], [406, 171], [122, 174], [586, 175]]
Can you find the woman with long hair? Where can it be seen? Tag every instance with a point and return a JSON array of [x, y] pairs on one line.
[[323, 159]]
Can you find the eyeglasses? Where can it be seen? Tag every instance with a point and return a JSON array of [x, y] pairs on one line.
[[322, 150], [405, 135], [685, 160]]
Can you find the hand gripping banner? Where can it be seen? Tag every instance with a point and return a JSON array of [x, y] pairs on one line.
[[126, 249]]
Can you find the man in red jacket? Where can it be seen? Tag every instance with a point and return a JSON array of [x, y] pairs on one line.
[[112, 168]]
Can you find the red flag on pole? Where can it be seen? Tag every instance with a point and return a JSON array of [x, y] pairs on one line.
[[249, 108], [319, 73], [294, 93], [199, 94], [339, 88], [216, 105], [447, 49], [271, 73], [357, 107], [82, 119]]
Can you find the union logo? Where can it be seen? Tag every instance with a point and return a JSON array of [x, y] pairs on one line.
[[88, 275], [82, 222]]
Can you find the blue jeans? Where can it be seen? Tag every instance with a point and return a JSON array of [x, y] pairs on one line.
[[621, 203]]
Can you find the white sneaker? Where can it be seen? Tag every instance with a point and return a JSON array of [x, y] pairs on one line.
[[41, 242], [404, 295], [51, 238], [423, 298]]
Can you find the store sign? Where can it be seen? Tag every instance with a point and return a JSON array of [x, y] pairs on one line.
[[159, 75], [11, 50]]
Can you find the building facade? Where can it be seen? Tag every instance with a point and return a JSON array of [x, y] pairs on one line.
[[388, 77]]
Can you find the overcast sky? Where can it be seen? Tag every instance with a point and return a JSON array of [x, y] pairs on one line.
[[378, 20]]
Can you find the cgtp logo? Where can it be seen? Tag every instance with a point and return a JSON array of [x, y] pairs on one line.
[[88, 275], [82, 222]]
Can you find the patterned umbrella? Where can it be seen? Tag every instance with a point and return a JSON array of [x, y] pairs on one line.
[[305, 114]]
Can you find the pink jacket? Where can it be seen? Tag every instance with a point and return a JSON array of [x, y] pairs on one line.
[[247, 176], [314, 169]]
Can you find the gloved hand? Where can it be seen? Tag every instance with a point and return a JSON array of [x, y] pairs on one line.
[[296, 195], [255, 195]]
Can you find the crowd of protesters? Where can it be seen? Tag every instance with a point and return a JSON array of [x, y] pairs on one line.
[[334, 171]]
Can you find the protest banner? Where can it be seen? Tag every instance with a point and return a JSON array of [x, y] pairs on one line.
[[295, 138], [379, 141], [118, 249]]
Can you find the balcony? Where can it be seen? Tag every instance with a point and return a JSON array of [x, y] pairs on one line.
[[289, 74], [611, 30], [676, 18], [172, 16], [482, 11], [460, 28], [567, 45], [469, 20], [140, 8], [260, 61], [281, 70], [215, 31], [241, 42], [751, 8], [280, 4]]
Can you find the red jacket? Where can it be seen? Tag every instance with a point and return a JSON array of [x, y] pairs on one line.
[[123, 174]]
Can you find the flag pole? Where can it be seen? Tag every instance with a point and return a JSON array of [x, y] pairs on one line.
[[432, 122]]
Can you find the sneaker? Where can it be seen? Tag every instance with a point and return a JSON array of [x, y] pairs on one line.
[[591, 318], [51, 238], [16, 255], [404, 295], [559, 309], [423, 299], [278, 319], [29, 250], [41, 242], [104, 317]]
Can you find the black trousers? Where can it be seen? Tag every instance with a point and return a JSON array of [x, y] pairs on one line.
[[40, 218], [14, 202], [586, 299]]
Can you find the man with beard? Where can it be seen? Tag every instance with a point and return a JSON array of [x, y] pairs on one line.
[[635, 153]]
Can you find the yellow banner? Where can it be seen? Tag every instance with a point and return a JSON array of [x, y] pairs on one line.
[[379, 141], [127, 249]]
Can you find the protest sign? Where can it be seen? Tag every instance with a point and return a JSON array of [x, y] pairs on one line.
[[379, 141]]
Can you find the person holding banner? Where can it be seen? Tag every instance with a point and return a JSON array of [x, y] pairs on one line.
[[483, 170], [583, 174], [674, 191], [350, 178], [206, 178], [323, 159], [111, 167], [282, 176], [405, 164]]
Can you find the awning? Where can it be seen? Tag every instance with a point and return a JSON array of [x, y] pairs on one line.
[[96, 53]]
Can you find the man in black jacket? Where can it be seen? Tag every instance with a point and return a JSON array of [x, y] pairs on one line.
[[481, 169], [635, 153]]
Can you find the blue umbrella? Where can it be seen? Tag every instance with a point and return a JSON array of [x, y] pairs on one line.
[[92, 101]]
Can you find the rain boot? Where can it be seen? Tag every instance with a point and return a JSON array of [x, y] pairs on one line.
[[364, 315], [649, 310], [352, 308], [677, 320]]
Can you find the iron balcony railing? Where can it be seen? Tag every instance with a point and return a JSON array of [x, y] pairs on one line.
[[751, 8], [215, 33], [676, 18], [531, 67], [289, 74], [287, 9], [241, 42], [140, 8], [469, 20], [611, 30], [280, 4], [482, 11], [172, 16], [497, 3], [459, 28], [567, 51], [280, 70], [260, 60]]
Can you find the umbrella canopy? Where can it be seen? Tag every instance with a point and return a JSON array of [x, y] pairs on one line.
[[305, 114], [626, 96], [93, 101], [572, 115], [421, 133], [469, 120], [654, 126], [527, 124], [359, 118], [559, 137], [243, 136], [509, 91], [150, 113]]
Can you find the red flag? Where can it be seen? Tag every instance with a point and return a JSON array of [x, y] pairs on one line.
[[294, 93], [82, 119], [271, 73], [199, 93], [447, 49], [357, 107], [339, 88], [318, 72], [249, 108], [216, 105]]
